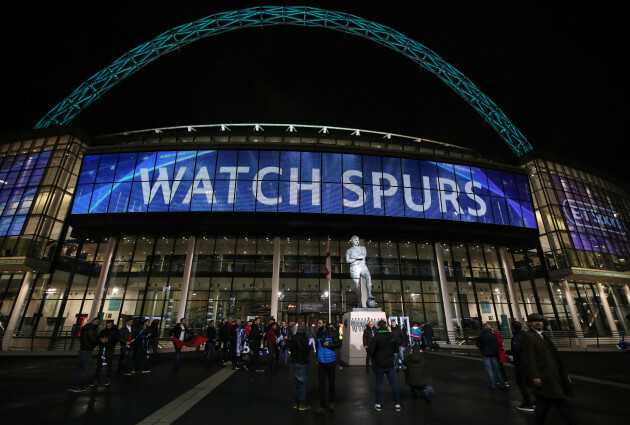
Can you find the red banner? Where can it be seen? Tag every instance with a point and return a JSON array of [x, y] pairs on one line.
[[195, 341]]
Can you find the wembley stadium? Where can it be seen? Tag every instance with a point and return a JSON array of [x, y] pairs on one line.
[[236, 219]]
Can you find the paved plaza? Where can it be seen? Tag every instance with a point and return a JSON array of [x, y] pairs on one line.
[[35, 390]]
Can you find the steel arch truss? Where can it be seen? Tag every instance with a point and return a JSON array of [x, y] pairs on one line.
[[220, 23]]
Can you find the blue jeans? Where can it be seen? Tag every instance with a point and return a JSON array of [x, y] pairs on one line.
[[283, 355], [299, 382], [84, 362], [177, 360], [493, 372], [209, 351], [378, 383], [399, 357]]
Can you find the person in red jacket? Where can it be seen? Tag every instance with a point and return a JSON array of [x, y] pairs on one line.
[[271, 341], [502, 356]]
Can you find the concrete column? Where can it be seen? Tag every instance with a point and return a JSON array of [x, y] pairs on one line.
[[102, 278], [275, 277], [510, 284], [448, 317], [17, 310], [183, 295], [575, 318], [604, 300], [626, 292]]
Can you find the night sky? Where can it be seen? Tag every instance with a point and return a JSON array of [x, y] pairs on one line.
[[554, 70]]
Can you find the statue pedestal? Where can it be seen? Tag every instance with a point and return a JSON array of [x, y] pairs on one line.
[[354, 323]]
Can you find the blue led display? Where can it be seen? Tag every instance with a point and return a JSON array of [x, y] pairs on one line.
[[19, 179], [301, 182]]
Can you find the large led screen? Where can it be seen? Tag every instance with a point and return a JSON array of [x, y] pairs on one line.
[[593, 223], [300, 182], [19, 179]]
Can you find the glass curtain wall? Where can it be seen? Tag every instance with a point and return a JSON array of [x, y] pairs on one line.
[[231, 276]]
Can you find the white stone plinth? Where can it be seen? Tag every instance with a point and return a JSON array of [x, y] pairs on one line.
[[354, 323]]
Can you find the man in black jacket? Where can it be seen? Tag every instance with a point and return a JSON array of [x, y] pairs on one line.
[[255, 338], [300, 351], [88, 339], [107, 340], [211, 334], [126, 359], [368, 334], [398, 337], [179, 332], [488, 344], [520, 367], [427, 335], [382, 348]]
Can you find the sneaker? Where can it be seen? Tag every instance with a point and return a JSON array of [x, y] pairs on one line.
[[377, 407], [525, 407], [127, 373], [295, 405], [397, 407], [331, 406], [235, 368], [304, 407], [260, 370], [506, 385], [94, 384], [425, 396], [146, 371], [108, 382], [77, 389]]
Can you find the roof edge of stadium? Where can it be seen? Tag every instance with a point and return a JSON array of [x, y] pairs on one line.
[[292, 128]]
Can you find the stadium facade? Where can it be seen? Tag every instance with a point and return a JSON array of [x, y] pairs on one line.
[[219, 221]]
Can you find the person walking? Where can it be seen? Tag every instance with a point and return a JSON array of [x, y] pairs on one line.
[[154, 339], [368, 334], [283, 334], [501, 356], [271, 340], [428, 335], [141, 347], [489, 347], [383, 349], [255, 339], [327, 343], [125, 359], [211, 334], [88, 339], [520, 368], [398, 337], [550, 382], [107, 340], [416, 337], [300, 352], [179, 332]]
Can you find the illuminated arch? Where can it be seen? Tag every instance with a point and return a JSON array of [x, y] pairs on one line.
[[180, 36]]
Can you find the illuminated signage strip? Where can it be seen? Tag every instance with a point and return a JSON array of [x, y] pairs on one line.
[[300, 182], [593, 223]]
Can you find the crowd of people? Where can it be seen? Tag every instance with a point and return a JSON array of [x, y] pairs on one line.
[[538, 367], [389, 348]]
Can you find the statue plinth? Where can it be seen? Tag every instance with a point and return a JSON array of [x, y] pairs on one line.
[[354, 323]]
